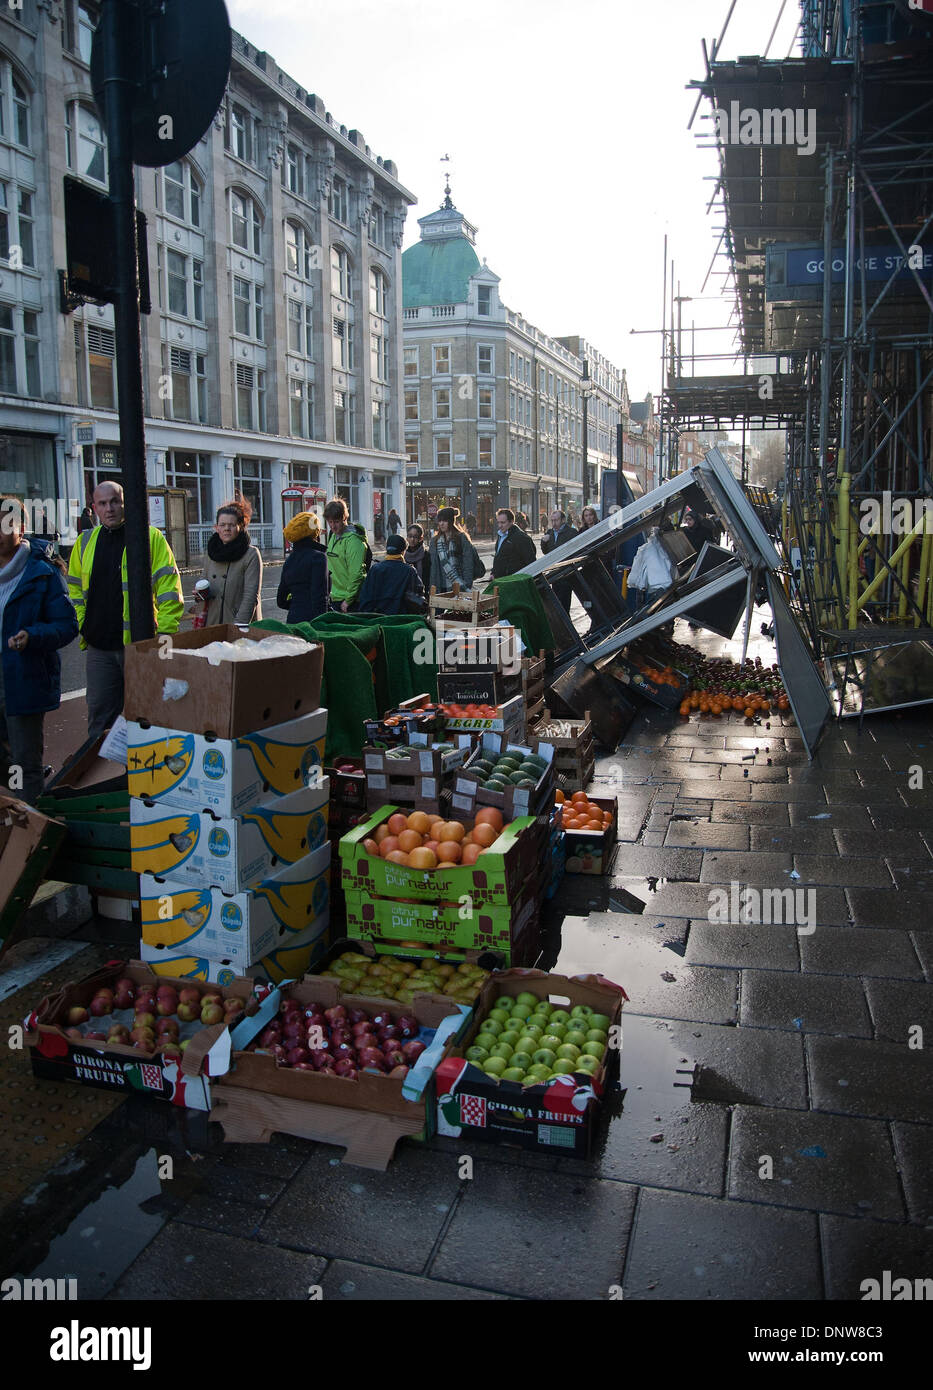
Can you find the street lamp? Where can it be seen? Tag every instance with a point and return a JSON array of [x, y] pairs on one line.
[[586, 390]]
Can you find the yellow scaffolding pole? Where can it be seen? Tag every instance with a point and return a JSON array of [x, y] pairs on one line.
[[875, 584]]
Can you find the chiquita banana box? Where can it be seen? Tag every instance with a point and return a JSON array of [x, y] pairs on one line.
[[227, 852], [198, 929], [225, 774], [289, 962]]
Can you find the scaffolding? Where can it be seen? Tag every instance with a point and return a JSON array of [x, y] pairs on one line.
[[831, 252]]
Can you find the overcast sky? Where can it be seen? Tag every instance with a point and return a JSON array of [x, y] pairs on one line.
[[566, 126]]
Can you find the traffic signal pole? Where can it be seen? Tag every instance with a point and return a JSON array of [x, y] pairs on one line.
[[120, 36]]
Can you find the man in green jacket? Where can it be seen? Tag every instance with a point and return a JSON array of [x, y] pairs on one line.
[[346, 557], [99, 591]]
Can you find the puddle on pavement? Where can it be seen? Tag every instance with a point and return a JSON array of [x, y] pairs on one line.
[[107, 1235]]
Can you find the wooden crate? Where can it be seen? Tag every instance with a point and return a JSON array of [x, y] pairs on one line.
[[533, 674], [574, 752], [473, 607]]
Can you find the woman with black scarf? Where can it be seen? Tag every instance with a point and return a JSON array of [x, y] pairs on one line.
[[233, 568], [418, 555]]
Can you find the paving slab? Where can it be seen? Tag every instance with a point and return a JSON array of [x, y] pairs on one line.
[[913, 1145], [754, 1066], [855, 1252], [795, 792], [853, 1077], [531, 1247], [759, 771], [391, 1218], [885, 953], [739, 757], [688, 1247], [185, 1263], [672, 864], [880, 907], [893, 815], [804, 1003], [768, 948], [897, 846], [819, 1162], [839, 816], [914, 877], [747, 813], [703, 834], [769, 870], [346, 1282], [679, 899], [792, 839], [897, 1006], [843, 872]]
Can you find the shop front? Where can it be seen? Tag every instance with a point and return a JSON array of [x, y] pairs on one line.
[[426, 500]]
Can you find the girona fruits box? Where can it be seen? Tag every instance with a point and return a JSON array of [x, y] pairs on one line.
[[225, 774], [226, 700], [554, 1116], [299, 955], [231, 852], [367, 1113], [498, 877], [57, 1055], [240, 929]]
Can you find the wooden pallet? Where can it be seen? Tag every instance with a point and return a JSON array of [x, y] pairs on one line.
[[473, 607]]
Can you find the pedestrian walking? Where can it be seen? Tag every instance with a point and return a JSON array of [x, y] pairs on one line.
[[395, 522], [85, 520], [98, 589], [303, 583], [560, 532], [392, 586], [514, 548], [454, 559], [233, 568], [36, 619], [418, 554], [346, 556]]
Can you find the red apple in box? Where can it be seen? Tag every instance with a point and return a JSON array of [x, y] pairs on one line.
[[337, 1014], [382, 1020], [396, 1059], [166, 1025], [390, 1033], [270, 1035], [413, 1050], [407, 1025], [188, 1011], [144, 1020], [143, 1035], [344, 1068], [77, 1015], [212, 1013], [213, 998], [372, 1057], [74, 1034], [290, 1006], [146, 1000], [298, 1054], [125, 983], [397, 1073], [124, 999], [100, 1005], [118, 1034], [234, 1006], [321, 1059], [166, 1004], [358, 1016]]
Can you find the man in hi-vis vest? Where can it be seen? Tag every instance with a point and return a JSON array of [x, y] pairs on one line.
[[99, 591]]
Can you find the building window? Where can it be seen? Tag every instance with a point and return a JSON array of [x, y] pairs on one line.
[[379, 425], [250, 398], [293, 170], [242, 131], [185, 278], [96, 356], [377, 225], [379, 356], [300, 328], [245, 223], [487, 449], [528, 411], [88, 16], [339, 202], [14, 107], [527, 362], [442, 360], [247, 308], [442, 404], [181, 193], [252, 479], [16, 323], [342, 345], [542, 418], [85, 146], [344, 427], [16, 223], [486, 411], [340, 273], [483, 300], [512, 447], [187, 373], [484, 361], [299, 252], [193, 473], [411, 361], [413, 449], [377, 293], [442, 451], [347, 486], [301, 408], [411, 405]]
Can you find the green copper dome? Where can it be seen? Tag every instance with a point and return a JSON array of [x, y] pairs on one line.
[[438, 272]]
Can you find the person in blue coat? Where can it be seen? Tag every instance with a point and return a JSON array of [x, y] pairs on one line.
[[303, 585], [392, 586], [36, 618]]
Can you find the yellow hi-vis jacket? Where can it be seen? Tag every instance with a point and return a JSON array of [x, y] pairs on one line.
[[167, 603]]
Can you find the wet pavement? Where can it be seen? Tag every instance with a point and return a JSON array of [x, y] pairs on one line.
[[772, 1136]]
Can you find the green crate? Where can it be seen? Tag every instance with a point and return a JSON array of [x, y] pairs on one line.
[[505, 930], [497, 879]]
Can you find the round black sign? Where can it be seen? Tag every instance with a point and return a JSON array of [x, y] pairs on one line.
[[180, 57]]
